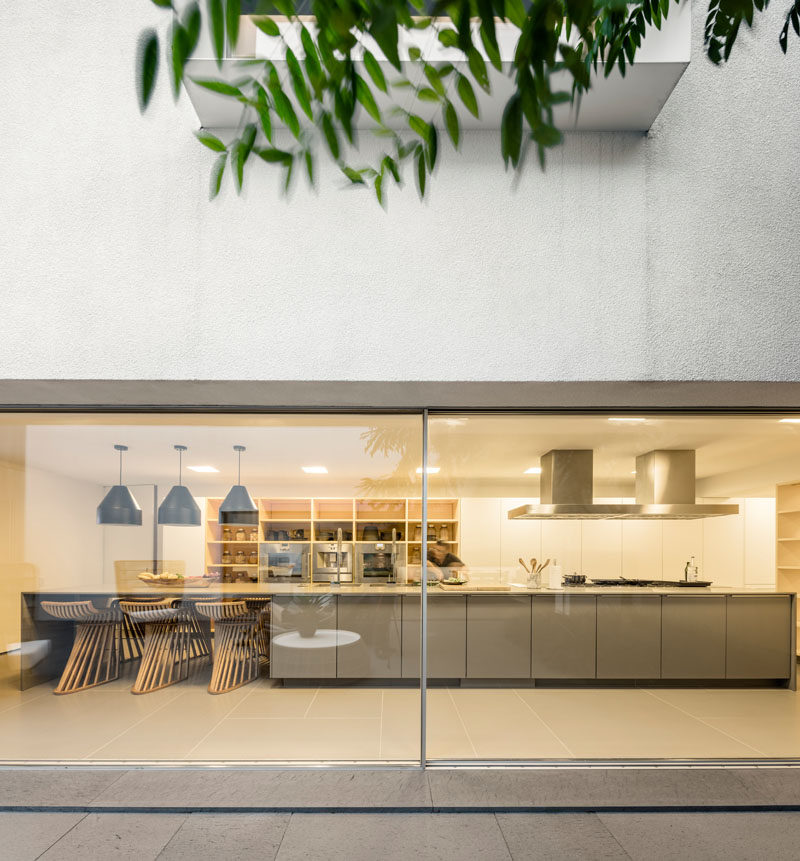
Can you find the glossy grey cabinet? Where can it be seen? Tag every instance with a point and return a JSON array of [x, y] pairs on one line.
[[759, 637], [693, 637], [498, 636], [564, 637], [628, 636], [376, 620], [303, 641], [447, 637]]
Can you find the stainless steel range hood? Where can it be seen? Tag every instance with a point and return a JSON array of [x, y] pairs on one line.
[[665, 489]]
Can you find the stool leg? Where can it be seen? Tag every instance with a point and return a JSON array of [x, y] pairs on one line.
[[236, 660], [93, 660], [165, 659]]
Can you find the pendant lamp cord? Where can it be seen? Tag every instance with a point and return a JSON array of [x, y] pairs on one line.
[[180, 467], [239, 479], [120, 466]]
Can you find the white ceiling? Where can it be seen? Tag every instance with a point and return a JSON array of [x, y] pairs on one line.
[[476, 454]]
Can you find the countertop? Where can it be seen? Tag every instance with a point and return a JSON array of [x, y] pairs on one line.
[[363, 590]]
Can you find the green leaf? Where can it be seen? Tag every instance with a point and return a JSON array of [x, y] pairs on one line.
[[546, 135], [353, 175], [451, 122], [209, 140], [388, 163], [511, 130], [434, 79], [384, 30], [237, 163], [467, 95], [309, 159], [433, 146], [449, 38], [287, 180], [216, 175], [221, 87], [331, 137], [266, 25], [312, 64], [263, 111], [426, 94], [283, 107], [488, 35], [418, 125], [216, 23], [364, 95], [515, 11], [192, 21], [420, 172], [374, 70], [248, 139], [477, 65], [164, 4], [233, 11], [146, 67], [492, 51], [298, 83], [379, 188], [179, 44], [273, 156]]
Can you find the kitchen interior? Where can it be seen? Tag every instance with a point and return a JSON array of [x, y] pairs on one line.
[[624, 586]]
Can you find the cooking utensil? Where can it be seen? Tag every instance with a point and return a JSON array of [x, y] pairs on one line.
[[542, 567], [533, 565], [522, 563]]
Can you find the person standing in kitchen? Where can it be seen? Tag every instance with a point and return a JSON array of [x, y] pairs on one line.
[[445, 564]]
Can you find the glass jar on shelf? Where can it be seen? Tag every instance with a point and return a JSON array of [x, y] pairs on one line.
[[240, 558], [240, 534], [227, 534], [226, 557], [253, 558], [254, 534]]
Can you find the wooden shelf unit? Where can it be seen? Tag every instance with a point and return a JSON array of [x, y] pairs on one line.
[[787, 538], [319, 518]]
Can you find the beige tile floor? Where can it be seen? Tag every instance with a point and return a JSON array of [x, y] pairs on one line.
[[264, 722]]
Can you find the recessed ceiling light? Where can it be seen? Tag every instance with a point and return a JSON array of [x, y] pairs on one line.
[[315, 470], [432, 470], [790, 421], [633, 472], [203, 468], [630, 419], [533, 470]]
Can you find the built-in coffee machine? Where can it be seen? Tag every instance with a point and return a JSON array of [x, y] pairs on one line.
[[379, 562], [333, 560], [284, 563]]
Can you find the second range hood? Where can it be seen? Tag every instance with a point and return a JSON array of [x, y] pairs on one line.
[[665, 489]]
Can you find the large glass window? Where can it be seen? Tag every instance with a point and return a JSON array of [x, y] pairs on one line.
[[613, 587], [209, 588]]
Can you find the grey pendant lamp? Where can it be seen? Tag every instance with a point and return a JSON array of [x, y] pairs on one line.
[[179, 507], [118, 507], [238, 506]]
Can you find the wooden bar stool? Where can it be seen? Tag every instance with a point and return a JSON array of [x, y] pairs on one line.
[[165, 656], [94, 658], [236, 649], [199, 628], [131, 633], [262, 607]]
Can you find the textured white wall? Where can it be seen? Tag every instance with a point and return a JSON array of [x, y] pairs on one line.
[[672, 256]]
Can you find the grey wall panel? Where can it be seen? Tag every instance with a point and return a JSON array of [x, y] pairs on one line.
[[377, 621], [296, 622]]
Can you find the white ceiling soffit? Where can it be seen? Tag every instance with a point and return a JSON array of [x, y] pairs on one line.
[[613, 104]]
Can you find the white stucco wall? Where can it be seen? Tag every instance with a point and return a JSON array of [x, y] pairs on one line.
[[672, 256]]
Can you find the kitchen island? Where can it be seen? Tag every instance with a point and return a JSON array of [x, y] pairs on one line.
[[481, 634]]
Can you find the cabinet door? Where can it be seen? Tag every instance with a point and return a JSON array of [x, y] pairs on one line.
[[693, 637], [564, 637], [498, 637], [759, 637], [369, 633], [304, 637], [447, 637], [628, 636]]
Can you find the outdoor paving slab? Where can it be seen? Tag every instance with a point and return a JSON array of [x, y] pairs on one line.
[[26, 836], [710, 836], [322, 789], [227, 835], [547, 836], [367, 836], [54, 787], [590, 787], [777, 785], [117, 835]]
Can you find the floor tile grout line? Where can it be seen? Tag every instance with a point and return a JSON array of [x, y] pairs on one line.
[[178, 695], [174, 835], [463, 725], [546, 725], [216, 725], [503, 835], [611, 834], [700, 720], [62, 836], [313, 700], [283, 837]]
